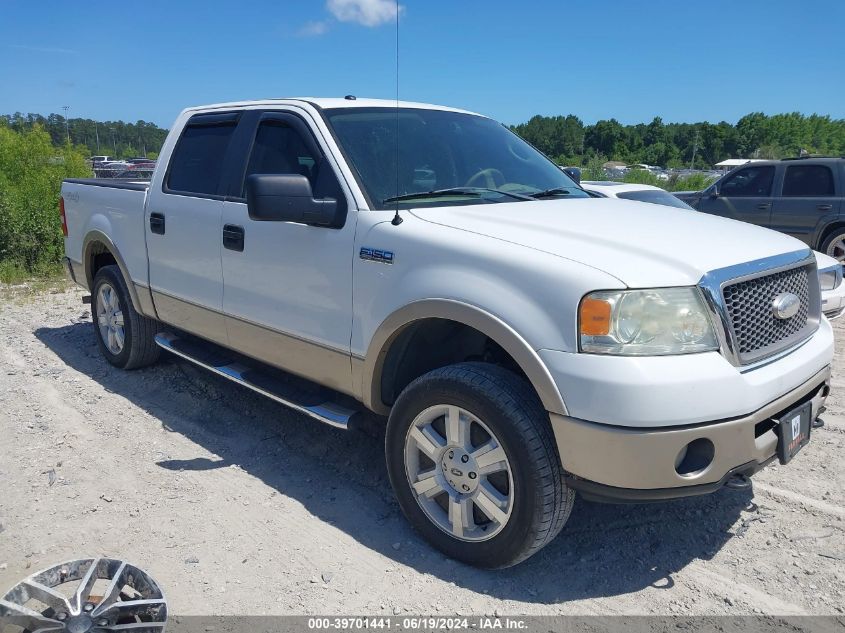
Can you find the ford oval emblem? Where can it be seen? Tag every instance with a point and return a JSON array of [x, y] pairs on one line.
[[786, 305]]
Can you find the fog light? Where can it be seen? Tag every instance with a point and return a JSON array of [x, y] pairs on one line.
[[695, 457]]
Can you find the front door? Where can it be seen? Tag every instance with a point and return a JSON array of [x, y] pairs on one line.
[[744, 194], [182, 224], [287, 286]]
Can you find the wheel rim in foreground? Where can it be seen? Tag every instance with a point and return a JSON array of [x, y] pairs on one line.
[[459, 473], [110, 318], [91, 594]]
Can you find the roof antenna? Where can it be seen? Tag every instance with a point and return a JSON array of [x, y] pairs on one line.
[[397, 219]]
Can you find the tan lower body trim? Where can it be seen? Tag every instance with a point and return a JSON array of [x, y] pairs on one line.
[[204, 322], [146, 306], [317, 363], [645, 458], [320, 364]]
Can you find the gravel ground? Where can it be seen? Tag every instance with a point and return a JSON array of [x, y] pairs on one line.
[[239, 506]]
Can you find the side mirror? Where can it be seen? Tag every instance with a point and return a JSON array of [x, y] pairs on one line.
[[574, 173], [287, 198], [714, 192]]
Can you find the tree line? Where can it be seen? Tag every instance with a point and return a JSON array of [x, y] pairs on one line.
[[566, 139], [701, 145], [118, 139]]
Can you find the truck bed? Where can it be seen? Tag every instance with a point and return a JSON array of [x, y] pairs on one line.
[[111, 212]]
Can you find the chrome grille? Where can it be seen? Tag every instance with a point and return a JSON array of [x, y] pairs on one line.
[[749, 306]]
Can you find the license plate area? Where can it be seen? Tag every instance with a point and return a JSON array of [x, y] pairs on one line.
[[794, 431]]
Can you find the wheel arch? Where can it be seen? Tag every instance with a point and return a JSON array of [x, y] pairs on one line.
[[827, 229], [98, 250], [390, 332]]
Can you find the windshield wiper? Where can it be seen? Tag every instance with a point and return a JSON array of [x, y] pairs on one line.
[[474, 192], [554, 191]]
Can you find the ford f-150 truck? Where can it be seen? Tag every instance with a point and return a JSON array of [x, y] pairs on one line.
[[523, 340]]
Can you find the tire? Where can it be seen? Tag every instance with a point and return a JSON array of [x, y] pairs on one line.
[[834, 244], [112, 309], [494, 408]]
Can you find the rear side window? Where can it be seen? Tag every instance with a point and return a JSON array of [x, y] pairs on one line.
[[749, 182], [808, 181], [197, 161]]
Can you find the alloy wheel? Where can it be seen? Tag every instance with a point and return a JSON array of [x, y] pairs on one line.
[[459, 473]]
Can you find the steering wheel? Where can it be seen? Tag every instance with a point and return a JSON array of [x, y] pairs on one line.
[[489, 177]]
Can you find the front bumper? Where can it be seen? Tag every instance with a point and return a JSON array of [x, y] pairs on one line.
[[624, 464]]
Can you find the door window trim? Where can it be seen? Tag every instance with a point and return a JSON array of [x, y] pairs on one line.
[[204, 118], [248, 132]]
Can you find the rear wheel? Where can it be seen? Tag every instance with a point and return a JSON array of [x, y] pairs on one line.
[[473, 462], [125, 337]]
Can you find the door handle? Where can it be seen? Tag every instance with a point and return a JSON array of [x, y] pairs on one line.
[[233, 237], [763, 206], [824, 207], [157, 223]]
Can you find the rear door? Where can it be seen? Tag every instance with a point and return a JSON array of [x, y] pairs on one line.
[[807, 200], [183, 227], [745, 194]]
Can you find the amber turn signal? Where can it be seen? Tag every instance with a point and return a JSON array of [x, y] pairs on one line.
[[594, 317]]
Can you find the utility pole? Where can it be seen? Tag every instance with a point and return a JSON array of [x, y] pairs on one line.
[[113, 142], [97, 133], [67, 127], [694, 150]]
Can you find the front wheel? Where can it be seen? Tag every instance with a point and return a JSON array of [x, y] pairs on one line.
[[472, 459]]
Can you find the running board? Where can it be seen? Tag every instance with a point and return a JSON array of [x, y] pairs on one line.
[[222, 362]]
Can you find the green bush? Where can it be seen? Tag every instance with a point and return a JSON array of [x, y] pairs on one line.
[[31, 174]]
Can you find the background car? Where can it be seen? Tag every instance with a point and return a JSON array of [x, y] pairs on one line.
[[802, 197], [632, 191], [830, 269]]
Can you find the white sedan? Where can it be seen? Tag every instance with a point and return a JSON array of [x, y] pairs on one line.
[[830, 270]]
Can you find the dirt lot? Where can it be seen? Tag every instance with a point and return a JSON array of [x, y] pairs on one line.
[[239, 506]]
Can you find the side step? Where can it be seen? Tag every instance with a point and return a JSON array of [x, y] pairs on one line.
[[267, 381]]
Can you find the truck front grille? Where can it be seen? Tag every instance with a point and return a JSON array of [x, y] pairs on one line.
[[757, 332]]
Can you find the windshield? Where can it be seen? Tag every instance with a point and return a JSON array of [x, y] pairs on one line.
[[655, 196], [478, 160]]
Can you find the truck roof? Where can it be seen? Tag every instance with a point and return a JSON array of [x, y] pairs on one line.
[[329, 102]]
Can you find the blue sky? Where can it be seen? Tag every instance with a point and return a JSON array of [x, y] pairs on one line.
[[683, 61]]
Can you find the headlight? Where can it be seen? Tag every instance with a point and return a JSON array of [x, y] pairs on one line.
[[645, 322], [830, 278]]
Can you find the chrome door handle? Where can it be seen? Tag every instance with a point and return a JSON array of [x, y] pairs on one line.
[[824, 207]]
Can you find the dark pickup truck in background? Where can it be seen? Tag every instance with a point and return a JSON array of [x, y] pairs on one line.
[[803, 197]]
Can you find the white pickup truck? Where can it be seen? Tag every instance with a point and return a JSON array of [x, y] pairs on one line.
[[524, 340]]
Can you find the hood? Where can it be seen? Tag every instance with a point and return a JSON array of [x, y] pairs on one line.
[[643, 245]]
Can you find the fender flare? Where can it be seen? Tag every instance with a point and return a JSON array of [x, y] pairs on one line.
[[499, 331], [94, 237]]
